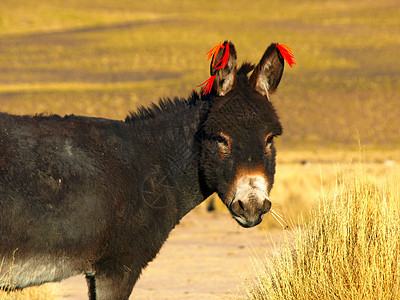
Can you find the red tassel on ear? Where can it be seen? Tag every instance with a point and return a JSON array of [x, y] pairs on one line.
[[213, 52], [209, 83], [224, 59], [287, 54]]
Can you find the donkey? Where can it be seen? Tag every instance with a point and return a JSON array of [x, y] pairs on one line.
[[93, 196]]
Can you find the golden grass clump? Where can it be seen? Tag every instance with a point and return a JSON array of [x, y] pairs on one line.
[[349, 250], [46, 292]]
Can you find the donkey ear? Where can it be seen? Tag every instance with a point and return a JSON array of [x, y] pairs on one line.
[[225, 77], [268, 73]]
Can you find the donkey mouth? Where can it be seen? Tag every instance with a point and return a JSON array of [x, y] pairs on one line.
[[247, 224], [244, 220]]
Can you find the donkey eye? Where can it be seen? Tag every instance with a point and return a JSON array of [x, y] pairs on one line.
[[220, 139], [224, 144], [268, 140]]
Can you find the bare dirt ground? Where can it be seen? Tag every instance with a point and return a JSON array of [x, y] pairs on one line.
[[207, 256]]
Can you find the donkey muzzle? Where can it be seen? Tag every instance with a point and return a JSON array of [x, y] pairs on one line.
[[250, 201]]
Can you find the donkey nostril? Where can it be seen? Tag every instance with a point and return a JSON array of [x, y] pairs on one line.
[[241, 204], [237, 208], [266, 206]]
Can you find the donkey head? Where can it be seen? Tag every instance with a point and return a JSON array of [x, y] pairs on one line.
[[238, 153]]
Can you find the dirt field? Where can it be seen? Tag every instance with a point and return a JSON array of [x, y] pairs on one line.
[[207, 256]]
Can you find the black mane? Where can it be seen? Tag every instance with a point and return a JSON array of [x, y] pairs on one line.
[[166, 105], [246, 68]]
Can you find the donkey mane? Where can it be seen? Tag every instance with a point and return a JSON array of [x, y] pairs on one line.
[[245, 68], [163, 107], [168, 105]]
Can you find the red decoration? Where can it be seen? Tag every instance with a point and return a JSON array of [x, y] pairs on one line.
[[222, 63], [224, 59], [287, 54], [214, 52], [209, 83], [284, 50]]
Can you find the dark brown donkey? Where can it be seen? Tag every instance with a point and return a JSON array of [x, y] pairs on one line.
[[99, 197]]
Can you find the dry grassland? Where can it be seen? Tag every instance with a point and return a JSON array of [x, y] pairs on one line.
[[348, 249]]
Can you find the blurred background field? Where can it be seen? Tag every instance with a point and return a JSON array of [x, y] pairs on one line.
[[104, 58], [339, 105]]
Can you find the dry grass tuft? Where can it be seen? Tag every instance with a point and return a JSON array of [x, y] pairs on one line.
[[46, 292], [349, 250]]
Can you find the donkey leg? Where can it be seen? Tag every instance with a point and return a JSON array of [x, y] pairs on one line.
[[113, 286], [91, 286]]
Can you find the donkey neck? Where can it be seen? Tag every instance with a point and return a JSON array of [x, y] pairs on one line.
[[171, 142]]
